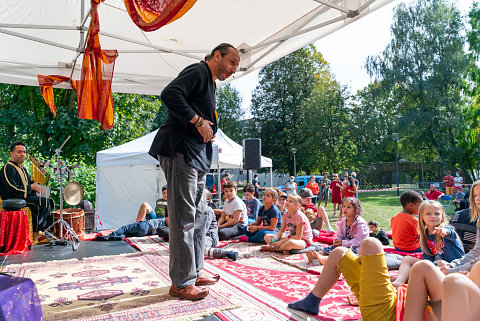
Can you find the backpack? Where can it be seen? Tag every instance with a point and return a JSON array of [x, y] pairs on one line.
[[466, 230]]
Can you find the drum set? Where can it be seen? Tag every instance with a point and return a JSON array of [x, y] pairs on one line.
[[68, 225]]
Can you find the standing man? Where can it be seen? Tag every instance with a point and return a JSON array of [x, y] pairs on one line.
[[15, 182], [183, 145], [448, 180], [324, 190]]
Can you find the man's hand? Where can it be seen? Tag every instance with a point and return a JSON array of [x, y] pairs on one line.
[[36, 187], [206, 131]]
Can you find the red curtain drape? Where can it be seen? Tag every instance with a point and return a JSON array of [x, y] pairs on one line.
[[150, 15], [46, 84], [95, 85], [94, 89]]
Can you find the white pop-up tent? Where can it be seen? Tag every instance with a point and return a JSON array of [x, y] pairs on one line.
[[127, 176], [47, 36]]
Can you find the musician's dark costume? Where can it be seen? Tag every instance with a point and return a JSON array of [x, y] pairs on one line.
[[15, 182]]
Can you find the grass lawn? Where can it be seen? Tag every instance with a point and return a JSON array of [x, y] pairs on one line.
[[379, 206]]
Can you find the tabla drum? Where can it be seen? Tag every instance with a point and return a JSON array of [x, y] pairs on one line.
[[74, 217]]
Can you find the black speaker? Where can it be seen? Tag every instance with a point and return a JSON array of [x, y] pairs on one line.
[[252, 153]]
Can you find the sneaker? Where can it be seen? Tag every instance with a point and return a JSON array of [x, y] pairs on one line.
[[232, 255]]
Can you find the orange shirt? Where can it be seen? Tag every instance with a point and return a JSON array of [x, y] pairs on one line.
[[313, 187], [405, 235]]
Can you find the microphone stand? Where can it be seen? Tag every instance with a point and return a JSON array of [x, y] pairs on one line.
[[70, 235]]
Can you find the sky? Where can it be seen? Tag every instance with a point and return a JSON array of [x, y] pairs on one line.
[[346, 50]]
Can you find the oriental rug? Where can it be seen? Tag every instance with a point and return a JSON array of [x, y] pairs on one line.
[[264, 282], [277, 288], [127, 287]]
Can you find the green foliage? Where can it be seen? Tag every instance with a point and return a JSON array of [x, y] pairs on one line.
[[25, 117], [230, 112], [469, 136], [287, 104], [327, 143], [373, 116], [421, 72]]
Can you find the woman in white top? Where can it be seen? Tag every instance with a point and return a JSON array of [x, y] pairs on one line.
[[291, 187], [458, 180]]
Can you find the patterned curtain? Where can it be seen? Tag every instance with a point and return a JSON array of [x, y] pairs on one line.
[[150, 15]]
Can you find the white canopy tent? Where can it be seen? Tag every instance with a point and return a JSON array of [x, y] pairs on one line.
[[127, 176], [47, 36]]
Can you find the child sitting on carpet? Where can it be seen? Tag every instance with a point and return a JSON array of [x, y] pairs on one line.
[[294, 222], [404, 225], [366, 274], [438, 239], [282, 197], [234, 214], [251, 202], [378, 234], [315, 216], [267, 221], [351, 230]]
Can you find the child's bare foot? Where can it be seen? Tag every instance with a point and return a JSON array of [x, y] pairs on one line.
[[310, 257], [321, 258], [352, 300], [396, 284]]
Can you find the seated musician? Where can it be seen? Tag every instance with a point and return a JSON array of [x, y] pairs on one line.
[[15, 182]]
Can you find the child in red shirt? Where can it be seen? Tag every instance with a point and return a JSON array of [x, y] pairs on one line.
[[315, 216], [405, 234]]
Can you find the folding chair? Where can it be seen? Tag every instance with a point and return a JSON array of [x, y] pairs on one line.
[[446, 200]]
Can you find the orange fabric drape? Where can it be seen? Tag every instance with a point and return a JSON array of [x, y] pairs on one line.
[[95, 85], [46, 84], [150, 15]]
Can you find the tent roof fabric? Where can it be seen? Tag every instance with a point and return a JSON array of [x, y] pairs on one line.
[[46, 36], [135, 152]]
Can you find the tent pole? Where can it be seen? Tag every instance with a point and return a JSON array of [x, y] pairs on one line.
[[219, 188], [333, 5], [271, 176], [166, 50], [20, 35]]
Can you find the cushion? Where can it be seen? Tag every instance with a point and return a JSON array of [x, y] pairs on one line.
[[13, 204]]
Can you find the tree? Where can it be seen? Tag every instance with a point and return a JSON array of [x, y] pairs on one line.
[[469, 136], [327, 143], [25, 117], [284, 86], [230, 112], [422, 71]]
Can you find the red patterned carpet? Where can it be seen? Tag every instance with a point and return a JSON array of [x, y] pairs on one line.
[[122, 287], [263, 283]]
